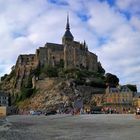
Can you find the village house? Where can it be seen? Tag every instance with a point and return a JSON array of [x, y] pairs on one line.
[[136, 100], [4, 99], [119, 98]]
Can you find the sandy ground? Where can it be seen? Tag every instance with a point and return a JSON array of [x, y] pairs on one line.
[[67, 127]]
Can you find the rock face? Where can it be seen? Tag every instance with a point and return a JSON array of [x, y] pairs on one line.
[[20, 74], [53, 93]]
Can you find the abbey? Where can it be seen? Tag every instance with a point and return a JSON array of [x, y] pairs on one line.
[[73, 54]]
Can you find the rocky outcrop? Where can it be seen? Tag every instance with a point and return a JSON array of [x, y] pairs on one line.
[[20, 74], [57, 92]]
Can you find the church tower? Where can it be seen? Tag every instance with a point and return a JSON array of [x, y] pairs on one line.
[[67, 37], [67, 41]]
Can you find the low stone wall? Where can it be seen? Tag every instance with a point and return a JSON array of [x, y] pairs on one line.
[[3, 111]]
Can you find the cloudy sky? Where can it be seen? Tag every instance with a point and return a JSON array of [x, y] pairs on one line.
[[111, 29]]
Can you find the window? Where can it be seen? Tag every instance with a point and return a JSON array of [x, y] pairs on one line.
[[4, 97], [4, 102]]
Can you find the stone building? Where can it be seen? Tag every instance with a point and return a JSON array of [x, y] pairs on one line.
[[136, 100], [4, 99], [122, 95], [120, 98], [71, 53]]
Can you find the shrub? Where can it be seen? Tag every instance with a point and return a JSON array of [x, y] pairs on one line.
[[50, 71], [111, 80], [4, 77]]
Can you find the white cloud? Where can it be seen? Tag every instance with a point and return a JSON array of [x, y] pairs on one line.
[[131, 5], [135, 22], [104, 19]]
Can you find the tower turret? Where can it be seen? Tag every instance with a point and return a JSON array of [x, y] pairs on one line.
[[67, 37]]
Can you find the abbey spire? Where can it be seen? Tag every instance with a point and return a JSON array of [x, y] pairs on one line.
[[67, 25], [67, 37]]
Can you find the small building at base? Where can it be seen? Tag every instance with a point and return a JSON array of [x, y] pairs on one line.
[[119, 99], [3, 111], [136, 100], [4, 99]]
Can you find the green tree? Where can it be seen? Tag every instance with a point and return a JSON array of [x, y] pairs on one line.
[[101, 69], [111, 80], [132, 87], [4, 77], [25, 93], [50, 71]]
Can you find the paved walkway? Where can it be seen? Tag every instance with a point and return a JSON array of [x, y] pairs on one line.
[[67, 127]]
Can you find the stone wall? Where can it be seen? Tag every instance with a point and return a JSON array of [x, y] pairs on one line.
[[55, 57], [24, 66], [42, 55], [74, 55], [80, 58], [92, 61], [68, 56]]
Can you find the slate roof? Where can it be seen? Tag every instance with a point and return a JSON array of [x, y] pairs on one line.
[[68, 34], [54, 46], [137, 95]]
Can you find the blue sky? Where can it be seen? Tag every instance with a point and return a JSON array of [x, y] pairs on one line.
[[111, 29]]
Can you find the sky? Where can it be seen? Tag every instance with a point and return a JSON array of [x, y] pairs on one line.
[[111, 29]]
